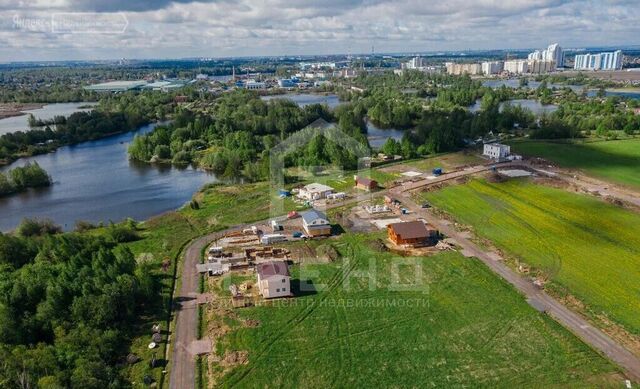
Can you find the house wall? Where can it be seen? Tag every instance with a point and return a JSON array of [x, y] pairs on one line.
[[397, 239], [275, 286], [318, 231]]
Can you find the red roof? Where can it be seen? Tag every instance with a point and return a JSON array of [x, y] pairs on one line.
[[366, 182], [274, 268]]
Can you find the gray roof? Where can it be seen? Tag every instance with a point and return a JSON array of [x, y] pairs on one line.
[[313, 214]]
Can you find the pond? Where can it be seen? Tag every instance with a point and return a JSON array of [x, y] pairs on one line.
[[378, 136], [304, 99], [49, 111], [515, 83], [95, 181], [534, 105]]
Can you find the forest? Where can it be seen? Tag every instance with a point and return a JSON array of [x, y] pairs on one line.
[[67, 304]]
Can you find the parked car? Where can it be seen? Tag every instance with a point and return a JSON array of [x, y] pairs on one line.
[[293, 215], [426, 205], [297, 234]]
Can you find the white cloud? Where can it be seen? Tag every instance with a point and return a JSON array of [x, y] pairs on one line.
[[168, 28]]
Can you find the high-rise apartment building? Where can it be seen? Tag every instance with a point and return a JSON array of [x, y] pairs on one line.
[[600, 61]]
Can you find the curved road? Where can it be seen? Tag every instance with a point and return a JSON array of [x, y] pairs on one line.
[[182, 374]]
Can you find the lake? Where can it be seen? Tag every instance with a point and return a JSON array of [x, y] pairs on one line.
[[534, 105], [304, 99], [95, 181], [377, 136], [49, 111], [514, 83]]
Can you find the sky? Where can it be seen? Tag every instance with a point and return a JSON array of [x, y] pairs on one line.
[[111, 29]]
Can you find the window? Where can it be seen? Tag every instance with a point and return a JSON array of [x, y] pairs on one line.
[[284, 289], [283, 280], [277, 290]]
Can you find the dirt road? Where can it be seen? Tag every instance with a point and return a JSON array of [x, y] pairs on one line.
[[570, 320], [183, 362], [185, 332]]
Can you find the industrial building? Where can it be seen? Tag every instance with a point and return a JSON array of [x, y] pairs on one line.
[[117, 86]]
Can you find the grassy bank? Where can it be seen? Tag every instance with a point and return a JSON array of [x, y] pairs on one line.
[[164, 237], [586, 246], [460, 326], [616, 161]]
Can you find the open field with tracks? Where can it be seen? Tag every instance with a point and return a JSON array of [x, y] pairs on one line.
[[617, 161], [587, 247], [461, 327]]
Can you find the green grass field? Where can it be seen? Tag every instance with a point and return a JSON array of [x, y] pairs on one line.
[[448, 161], [616, 161], [463, 327], [588, 247], [162, 238]]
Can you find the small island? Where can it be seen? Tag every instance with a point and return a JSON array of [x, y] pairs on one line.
[[19, 179]]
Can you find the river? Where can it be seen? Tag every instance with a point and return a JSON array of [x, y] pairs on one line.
[[49, 111], [95, 181]]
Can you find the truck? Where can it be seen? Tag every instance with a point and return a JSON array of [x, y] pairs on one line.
[[272, 238]]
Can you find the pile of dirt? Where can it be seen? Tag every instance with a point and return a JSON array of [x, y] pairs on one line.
[[327, 252], [234, 358], [377, 245], [436, 187], [495, 177], [462, 180], [614, 201], [251, 323]]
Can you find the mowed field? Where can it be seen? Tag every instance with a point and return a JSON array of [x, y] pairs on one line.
[[616, 161], [461, 327], [588, 247]]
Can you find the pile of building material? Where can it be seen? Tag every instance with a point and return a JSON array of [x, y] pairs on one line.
[[411, 174], [377, 208], [514, 173], [267, 252], [442, 245]]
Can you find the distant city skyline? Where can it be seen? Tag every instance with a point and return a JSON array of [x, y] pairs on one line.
[[98, 30]]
